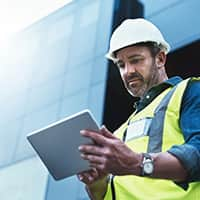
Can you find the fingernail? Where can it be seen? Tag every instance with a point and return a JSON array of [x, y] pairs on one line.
[[103, 126], [82, 155], [80, 177], [80, 148], [82, 131], [90, 178]]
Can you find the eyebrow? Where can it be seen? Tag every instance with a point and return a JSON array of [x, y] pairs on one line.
[[117, 60], [135, 55]]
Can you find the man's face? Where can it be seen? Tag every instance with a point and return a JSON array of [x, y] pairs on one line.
[[138, 69]]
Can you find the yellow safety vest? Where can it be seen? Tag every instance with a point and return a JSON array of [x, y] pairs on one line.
[[165, 107]]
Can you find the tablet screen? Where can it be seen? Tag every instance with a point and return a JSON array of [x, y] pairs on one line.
[[57, 144]]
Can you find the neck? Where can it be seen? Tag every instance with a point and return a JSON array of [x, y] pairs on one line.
[[162, 76], [156, 80]]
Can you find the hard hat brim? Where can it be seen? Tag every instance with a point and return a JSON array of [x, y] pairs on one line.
[[111, 54]]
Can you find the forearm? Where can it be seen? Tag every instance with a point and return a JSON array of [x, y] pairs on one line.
[[167, 166], [190, 158], [97, 190]]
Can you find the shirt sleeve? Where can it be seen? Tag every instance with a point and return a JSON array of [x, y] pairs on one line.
[[189, 152]]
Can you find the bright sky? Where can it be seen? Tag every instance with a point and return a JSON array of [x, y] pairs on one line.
[[18, 14]]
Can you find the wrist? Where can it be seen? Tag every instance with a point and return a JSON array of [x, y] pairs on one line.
[[97, 190], [147, 165], [136, 168]]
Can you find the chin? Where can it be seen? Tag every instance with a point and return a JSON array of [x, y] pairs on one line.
[[134, 94]]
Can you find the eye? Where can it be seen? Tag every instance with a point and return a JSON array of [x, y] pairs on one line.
[[135, 60], [120, 65]]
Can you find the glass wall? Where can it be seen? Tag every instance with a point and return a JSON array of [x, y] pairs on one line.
[[51, 70], [179, 28]]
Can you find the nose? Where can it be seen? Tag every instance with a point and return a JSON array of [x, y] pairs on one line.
[[128, 69]]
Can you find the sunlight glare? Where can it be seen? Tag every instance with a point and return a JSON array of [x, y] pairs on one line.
[[18, 14]]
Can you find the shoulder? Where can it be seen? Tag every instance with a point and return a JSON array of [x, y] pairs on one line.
[[192, 93], [194, 86]]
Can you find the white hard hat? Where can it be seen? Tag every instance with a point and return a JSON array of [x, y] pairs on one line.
[[133, 31]]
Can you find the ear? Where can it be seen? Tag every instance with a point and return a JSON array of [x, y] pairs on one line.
[[161, 59]]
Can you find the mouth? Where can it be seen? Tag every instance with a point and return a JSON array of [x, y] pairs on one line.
[[133, 81]]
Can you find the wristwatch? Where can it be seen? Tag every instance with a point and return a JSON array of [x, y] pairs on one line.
[[147, 165]]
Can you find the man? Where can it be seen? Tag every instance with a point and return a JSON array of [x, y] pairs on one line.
[[155, 154]]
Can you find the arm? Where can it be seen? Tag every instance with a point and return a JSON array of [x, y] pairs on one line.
[[180, 163], [189, 153], [168, 166], [111, 155]]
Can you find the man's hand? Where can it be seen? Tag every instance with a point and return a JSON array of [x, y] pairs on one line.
[[91, 176], [96, 183], [109, 154]]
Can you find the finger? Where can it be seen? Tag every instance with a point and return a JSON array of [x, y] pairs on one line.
[[98, 138], [100, 167], [93, 159], [87, 177], [86, 172], [106, 132], [94, 172], [83, 178], [91, 149], [80, 177]]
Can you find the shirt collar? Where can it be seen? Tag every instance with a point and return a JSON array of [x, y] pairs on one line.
[[164, 85], [155, 91], [173, 80]]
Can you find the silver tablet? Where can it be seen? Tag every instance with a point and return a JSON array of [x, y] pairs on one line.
[[57, 144]]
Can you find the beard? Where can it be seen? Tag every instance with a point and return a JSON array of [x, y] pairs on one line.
[[135, 84], [138, 86]]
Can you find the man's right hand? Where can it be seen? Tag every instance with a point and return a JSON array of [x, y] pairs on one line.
[[96, 183]]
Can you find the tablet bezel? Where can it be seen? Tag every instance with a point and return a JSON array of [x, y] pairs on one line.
[[57, 144]]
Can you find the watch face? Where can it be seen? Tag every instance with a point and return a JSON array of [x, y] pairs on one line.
[[148, 167]]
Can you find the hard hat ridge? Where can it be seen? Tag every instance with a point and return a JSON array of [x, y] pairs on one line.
[[133, 31]]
